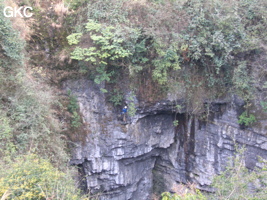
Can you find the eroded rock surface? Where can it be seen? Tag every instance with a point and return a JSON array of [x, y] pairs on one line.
[[128, 161]]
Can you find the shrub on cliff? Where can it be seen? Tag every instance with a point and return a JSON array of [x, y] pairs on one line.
[[237, 182], [193, 195]]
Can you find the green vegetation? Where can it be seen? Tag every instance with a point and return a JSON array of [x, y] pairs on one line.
[[10, 44], [73, 103], [76, 120], [75, 4], [31, 177], [116, 97], [176, 122], [131, 105], [197, 195], [202, 45], [242, 83], [107, 42], [73, 109], [217, 45], [198, 50], [167, 58], [33, 153], [246, 118], [112, 45], [25, 114], [74, 39], [237, 182]]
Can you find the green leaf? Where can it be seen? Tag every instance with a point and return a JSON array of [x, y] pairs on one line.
[[103, 90]]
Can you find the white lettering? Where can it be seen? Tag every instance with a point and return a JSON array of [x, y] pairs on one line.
[[17, 11], [8, 13], [13, 12], [25, 11]]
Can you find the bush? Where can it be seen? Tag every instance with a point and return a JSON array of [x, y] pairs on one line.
[[242, 82], [31, 177], [189, 195], [237, 182], [116, 97], [246, 119], [73, 103], [10, 43], [213, 37], [75, 4]]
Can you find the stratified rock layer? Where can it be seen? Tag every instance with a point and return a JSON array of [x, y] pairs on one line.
[[149, 154]]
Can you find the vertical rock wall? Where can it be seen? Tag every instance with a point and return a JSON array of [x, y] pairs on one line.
[[122, 162]]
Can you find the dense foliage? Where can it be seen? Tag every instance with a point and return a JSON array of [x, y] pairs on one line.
[[31, 177], [200, 45], [33, 154], [26, 121]]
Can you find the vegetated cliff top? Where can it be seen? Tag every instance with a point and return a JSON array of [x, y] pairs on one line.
[[185, 49], [200, 50], [209, 47]]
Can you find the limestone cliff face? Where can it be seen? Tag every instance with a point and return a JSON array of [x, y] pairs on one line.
[[150, 154]]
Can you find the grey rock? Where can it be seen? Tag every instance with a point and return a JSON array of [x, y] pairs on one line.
[[128, 162]]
